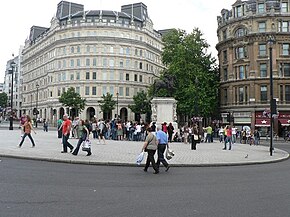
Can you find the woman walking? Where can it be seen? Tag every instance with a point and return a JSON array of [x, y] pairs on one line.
[[84, 135], [150, 146], [27, 131]]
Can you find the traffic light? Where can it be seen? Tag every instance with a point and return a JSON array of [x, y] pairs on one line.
[[274, 107], [35, 111]]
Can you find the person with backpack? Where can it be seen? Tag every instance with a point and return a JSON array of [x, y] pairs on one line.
[[84, 136]]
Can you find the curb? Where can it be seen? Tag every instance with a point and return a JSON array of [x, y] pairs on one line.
[[134, 165]]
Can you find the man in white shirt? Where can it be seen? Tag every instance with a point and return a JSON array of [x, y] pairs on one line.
[[234, 134]]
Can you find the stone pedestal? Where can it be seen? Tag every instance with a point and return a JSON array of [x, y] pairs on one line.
[[164, 110]]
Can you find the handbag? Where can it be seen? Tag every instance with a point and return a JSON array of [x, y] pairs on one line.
[[86, 145], [169, 154], [140, 158]]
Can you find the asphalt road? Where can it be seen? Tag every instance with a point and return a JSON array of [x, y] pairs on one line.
[[44, 189]]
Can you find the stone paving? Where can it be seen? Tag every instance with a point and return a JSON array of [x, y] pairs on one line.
[[48, 147]]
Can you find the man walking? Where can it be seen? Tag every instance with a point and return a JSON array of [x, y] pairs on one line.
[[66, 128], [162, 143]]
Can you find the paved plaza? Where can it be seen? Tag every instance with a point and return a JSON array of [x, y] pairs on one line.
[[48, 147]]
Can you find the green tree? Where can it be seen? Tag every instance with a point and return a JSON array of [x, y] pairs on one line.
[[107, 105], [72, 99], [3, 100], [191, 76], [142, 104]]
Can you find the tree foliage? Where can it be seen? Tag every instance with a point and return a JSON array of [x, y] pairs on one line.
[[107, 103], [142, 103], [194, 73], [3, 100], [72, 99]]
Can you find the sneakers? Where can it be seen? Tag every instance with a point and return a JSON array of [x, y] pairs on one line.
[[156, 172]]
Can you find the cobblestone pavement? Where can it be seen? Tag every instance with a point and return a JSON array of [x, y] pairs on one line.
[[48, 147]]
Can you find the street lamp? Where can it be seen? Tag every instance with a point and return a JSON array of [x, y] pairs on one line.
[[11, 70], [117, 105], [36, 113], [272, 101]]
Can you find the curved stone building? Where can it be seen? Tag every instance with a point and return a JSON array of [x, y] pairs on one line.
[[243, 52], [94, 51]]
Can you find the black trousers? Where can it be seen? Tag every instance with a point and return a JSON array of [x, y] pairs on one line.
[[81, 140], [65, 143], [193, 143], [150, 159], [160, 151], [29, 136]]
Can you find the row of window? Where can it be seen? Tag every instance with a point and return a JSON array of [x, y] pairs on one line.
[[105, 76], [241, 72], [88, 91], [242, 51], [107, 63], [241, 94], [259, 8], [92, 91], [283, 26]]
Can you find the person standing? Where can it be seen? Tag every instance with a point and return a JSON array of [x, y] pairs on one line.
[[195, 137], [84, 135], [27, 131], [66, 128], [208, 134], [150, 146], [162, 140], [170, 130], [119, 130], [101, 126], [45, 125], [59, 131], [234, 134], [228, 139], [221, 134]]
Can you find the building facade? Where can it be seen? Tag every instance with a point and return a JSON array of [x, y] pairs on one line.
[[17, 85], [96, 52], [243, 52]]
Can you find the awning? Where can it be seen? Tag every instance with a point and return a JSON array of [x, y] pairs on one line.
[[262, 123], [284, 122]]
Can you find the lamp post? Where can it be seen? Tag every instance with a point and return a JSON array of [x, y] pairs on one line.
[[117, 105], [11, 70], [37, 86], [271, 42], [196, 98]]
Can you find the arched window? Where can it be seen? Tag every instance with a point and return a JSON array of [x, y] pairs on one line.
[[240, 32]]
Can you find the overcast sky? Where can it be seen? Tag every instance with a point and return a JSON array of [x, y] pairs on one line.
[[18, 16]]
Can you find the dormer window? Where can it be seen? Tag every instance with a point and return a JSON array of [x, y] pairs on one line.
[[239, 11]]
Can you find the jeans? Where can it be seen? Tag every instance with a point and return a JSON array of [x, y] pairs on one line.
[[29, 136], [95, 134], [150, 159], [228, 139], [160, 151], [208, 138], [65, 143], [234, 138], [81, 140], [221, 138]]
